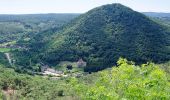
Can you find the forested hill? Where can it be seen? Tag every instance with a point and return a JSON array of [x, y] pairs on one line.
[[37, 17], [104, 34]]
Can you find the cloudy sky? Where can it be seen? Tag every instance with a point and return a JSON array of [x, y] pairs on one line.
[[77, 6]]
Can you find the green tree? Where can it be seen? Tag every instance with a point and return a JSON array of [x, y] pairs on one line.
[[127, 81]]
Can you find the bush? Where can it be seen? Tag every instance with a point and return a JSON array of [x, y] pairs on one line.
[[61, 93], [69, 67], [127, 81]]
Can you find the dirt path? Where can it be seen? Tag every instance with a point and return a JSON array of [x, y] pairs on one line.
[[9, 58], [9, 94]]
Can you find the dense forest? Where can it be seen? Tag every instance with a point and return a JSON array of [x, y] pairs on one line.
[[100, 37], [15, 27], [109, 53]]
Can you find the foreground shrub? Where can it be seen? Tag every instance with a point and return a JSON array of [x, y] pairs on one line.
[[127, 81]]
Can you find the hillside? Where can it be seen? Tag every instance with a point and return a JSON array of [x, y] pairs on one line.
[[17, 86], [121, 82], [101, 36]]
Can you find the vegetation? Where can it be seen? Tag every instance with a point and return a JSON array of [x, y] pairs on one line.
[[33, 44], [100, 37], [16, 27], [16, 31], [3, 60], [129, 82], [5, 49], [26, 87], [125, 81]]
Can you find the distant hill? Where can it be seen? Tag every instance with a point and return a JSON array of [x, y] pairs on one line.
[[15, 27], [162, 18], [156, 14], [102, 35], [37, 17]]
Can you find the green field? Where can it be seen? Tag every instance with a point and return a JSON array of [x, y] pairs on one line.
[[8, 43], [5, 49]]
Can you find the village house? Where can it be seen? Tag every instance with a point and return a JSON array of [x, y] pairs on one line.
[[81, 63]]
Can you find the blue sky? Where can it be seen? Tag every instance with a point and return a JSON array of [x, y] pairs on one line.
[[77, 6]]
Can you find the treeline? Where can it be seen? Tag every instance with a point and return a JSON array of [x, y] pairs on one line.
[[15, 27]]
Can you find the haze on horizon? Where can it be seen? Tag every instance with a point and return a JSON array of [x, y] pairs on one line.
[[77, 6]]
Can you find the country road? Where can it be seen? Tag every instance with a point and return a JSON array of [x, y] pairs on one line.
[[9, 58]]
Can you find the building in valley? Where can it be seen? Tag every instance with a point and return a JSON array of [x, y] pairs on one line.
[[81, 63]]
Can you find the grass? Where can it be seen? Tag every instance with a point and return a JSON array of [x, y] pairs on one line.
[[166, 68], [8, 43], [4, 50]]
